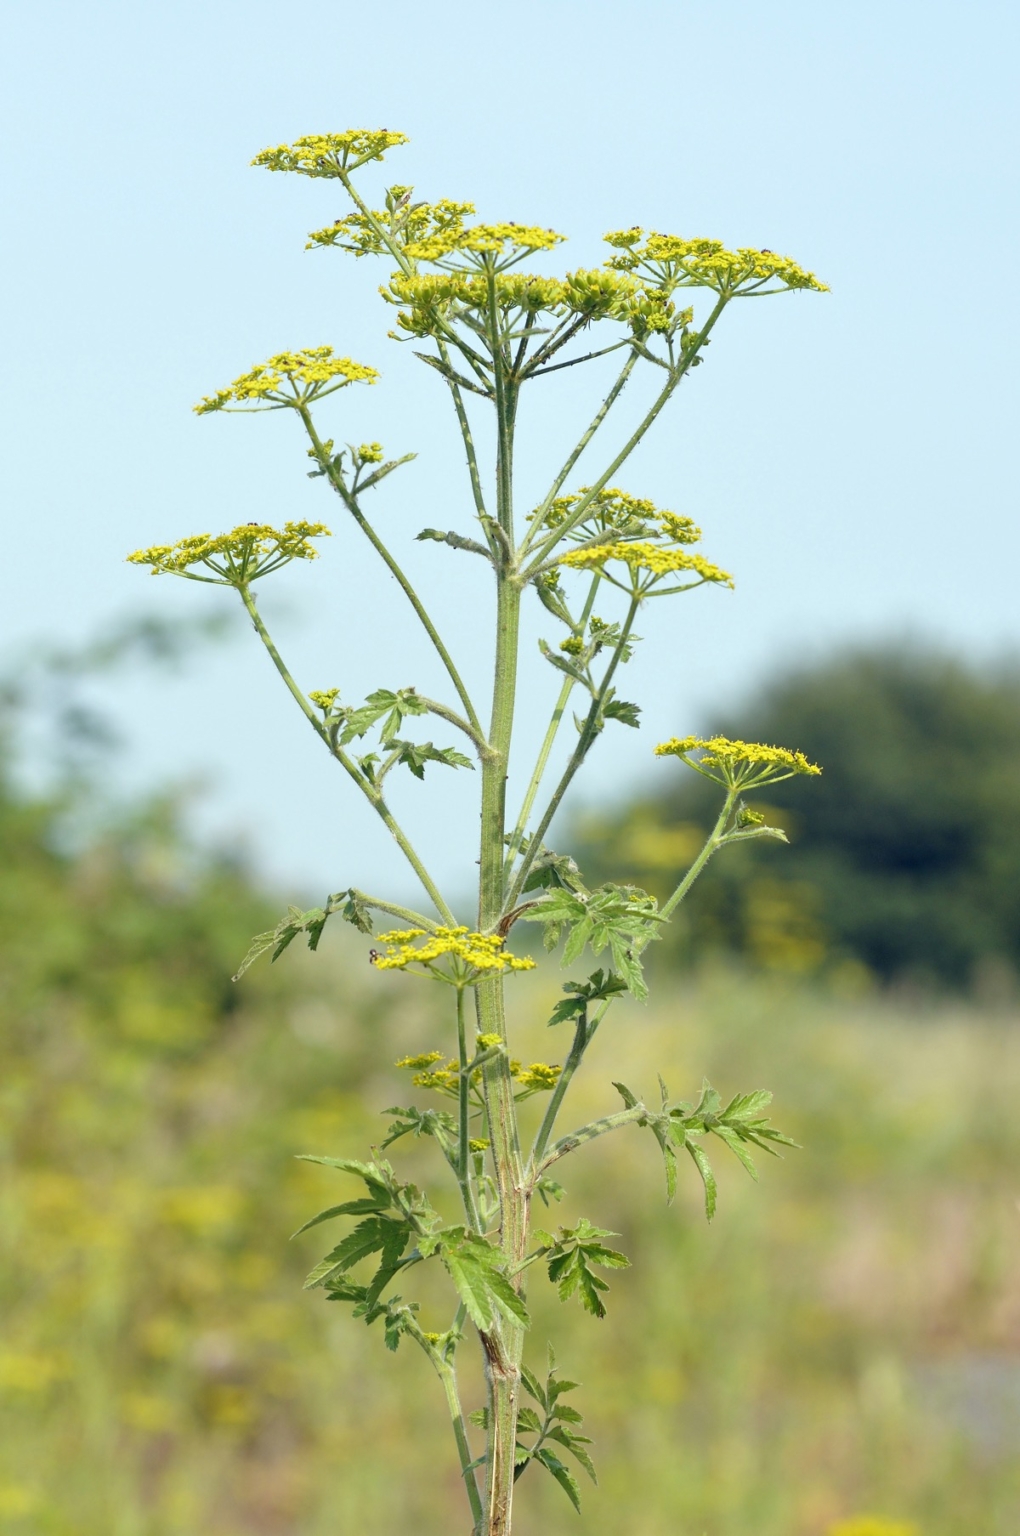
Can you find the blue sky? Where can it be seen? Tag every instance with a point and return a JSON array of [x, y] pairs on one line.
[[851, 457]]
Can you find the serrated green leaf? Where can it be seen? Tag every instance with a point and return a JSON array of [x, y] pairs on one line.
[[562, 1474], [737, 1147], [348, 1208], [556, 1387], [707, 1176], [627, 714], [376, 1234], [479, 1417], [576, 1444], [746, 1106], [472, 1264], [534, 1386], [528, 1420]]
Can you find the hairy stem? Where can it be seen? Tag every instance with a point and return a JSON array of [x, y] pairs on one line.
[[589, 1132], [448, 1377]]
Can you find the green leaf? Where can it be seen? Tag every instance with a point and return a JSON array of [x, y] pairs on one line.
[[707, 1177], [736, 1146], [627, 714], [415, 755], [575, 1444], [565, 1478], [474, 1268], [418, 1122], [622, 916], [376, 1234], [375, 1175], [549, 1189], [563, 664], [628, 1098], [528, 1420], [348, 1208], [570, 1257], [534, 1386], [598, 986]]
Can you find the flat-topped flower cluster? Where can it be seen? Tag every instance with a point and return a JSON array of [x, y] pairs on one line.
[[737, 764], [288, 379], [245, 553], [480, 952]]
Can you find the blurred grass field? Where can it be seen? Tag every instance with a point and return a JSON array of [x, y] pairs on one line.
[[842, 1342]]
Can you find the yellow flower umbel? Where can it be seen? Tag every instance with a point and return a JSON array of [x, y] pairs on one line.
[[653, 559], [469, 956], [330, 154], [236, 558], [670, 262], [292, 379], [637, 523], [431, 1071], [736, 764]]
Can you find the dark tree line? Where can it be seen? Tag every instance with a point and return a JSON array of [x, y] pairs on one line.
[[905, 854]]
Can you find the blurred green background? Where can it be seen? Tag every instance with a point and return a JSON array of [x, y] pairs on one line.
[[838, 1352]]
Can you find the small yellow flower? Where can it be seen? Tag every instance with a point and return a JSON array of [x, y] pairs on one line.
[[236, 558], [485, 239], [737, 764], [329, 154], [419, 1063], [288, 379], [478, 1144], [539, 1076], [652, 558], [473, 954], [489, 1042], [673, 262]]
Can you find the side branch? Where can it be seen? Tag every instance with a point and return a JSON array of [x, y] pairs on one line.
[[350, 501], [372, 794], [589, 1132]]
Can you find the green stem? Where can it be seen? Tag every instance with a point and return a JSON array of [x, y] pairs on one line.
[[589, 1132], [582, 1036], [351, 504], [550, 738], [463, 1169], [504, 1345], [371, 794], [712, 843], [465, 432], [588, 733], [448, 1377], [578, 514], [558, 484], [393, 909]]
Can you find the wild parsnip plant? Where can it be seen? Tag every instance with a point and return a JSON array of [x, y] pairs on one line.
[[489, 326]]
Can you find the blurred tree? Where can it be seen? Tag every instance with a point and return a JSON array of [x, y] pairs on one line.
[[905, 854]]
